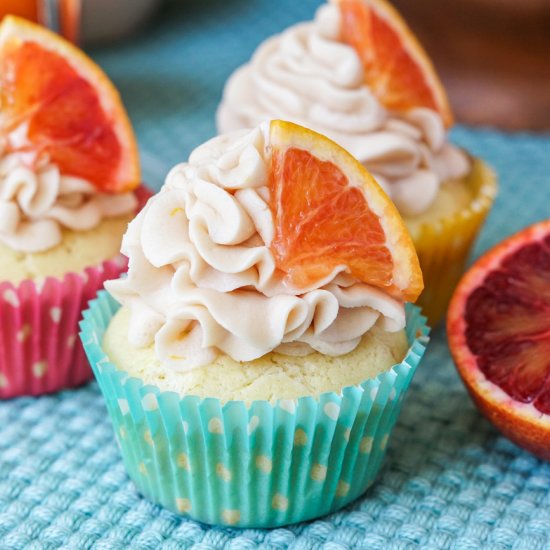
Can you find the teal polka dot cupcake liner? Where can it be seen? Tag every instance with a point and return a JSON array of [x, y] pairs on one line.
[[258, 465]]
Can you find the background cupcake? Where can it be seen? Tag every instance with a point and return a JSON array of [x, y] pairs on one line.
[[256, 368], [68, 171], [357, 74]]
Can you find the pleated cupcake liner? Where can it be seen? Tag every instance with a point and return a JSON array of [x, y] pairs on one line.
[[443, 248], [39, 347], [258, 465]]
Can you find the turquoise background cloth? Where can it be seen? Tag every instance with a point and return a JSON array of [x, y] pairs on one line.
[[449, 480]]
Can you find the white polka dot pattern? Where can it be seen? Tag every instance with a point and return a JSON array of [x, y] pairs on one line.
[[149, 402], [23, 333], [183, 505], [332, 410], [215, 426], [318, 472], [264, 464], [279, 502], [366, 445], [55, 314], [300, 437], [253, 424], [231, 517], [223, 472], [39, 369], [11, 298], [183, 461]]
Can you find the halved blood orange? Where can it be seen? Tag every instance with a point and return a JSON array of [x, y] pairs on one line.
[[330, 212], [499, 334], [67, 107], [397, 69]]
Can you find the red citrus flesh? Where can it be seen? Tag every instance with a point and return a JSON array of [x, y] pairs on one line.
[[499, 334], [508, 320], [321, 223], [78, 122], [324, 220], [397, 69]]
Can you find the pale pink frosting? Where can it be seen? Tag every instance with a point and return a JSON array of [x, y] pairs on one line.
[[308, 76], [37, 201], [202, 280]]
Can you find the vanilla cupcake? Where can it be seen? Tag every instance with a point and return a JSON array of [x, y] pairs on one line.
[[314, 75], [69, 170], [239, 397], [53, 262]]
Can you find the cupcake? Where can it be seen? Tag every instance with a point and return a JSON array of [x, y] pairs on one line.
[[358, 75], [69, 171], [256, 356]]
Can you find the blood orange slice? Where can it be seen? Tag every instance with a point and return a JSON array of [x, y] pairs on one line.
[[499, 334], [330, 212], [65, 106], [397, 69]]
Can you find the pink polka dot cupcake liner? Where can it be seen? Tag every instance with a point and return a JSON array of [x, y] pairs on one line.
[[263, 464], [39, 347]]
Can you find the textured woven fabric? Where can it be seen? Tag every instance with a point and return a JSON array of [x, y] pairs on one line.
[[449, 481]]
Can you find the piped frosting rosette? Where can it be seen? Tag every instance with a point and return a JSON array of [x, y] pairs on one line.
[[202, 280], [37, 201], [39, 349], [308, 75]]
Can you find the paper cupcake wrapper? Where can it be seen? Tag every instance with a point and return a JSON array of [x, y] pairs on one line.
[[39, 347], [443, 248], [261, 465]]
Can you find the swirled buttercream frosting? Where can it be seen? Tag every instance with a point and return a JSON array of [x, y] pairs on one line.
[[202, 280], [308, 75], [37, 201]]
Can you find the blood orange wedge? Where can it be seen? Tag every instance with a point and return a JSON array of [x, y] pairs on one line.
[[499, 334], [65, 107], [397, 69], [330, 212]]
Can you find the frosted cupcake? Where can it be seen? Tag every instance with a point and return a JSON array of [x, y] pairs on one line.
[[258, 362], [68, 173], [356, 74]]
